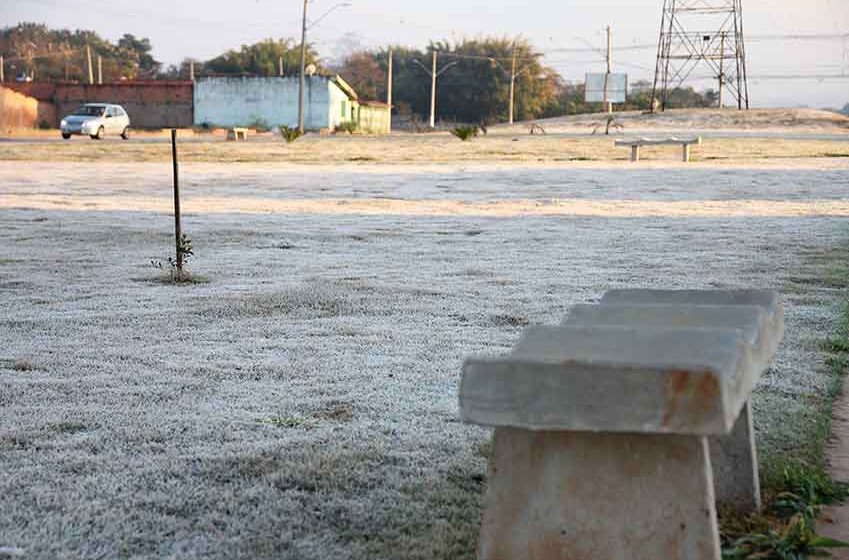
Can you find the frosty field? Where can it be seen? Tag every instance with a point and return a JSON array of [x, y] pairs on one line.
[[300, 403]]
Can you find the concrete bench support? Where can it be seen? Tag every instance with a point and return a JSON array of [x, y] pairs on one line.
[[635, 145], [616, 432], [556, 495], [735, 466]]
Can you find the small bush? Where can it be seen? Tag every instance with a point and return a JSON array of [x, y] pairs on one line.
[[44, 125], [290, 134], [259, 125], [23, 365], [465, 133], [346, 127]]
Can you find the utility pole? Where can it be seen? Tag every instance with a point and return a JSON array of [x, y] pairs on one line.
[[90, 69], [609, 71], [389, 87], [303, 70], [512, 85], [722, 70], [433, 93], [99, 69]]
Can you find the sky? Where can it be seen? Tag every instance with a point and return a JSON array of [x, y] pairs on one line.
[[203, 29]]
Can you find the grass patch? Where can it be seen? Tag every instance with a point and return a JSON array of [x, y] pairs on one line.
[[796, 483]]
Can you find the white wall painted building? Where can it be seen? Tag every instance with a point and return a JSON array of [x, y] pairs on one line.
[[243, 101]]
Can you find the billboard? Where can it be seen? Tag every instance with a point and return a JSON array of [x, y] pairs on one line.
[[616, 86]]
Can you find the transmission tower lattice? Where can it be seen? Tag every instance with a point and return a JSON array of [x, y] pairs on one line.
[[702, 33]]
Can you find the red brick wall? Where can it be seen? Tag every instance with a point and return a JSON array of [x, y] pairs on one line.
[[17, 110], [153, 104]]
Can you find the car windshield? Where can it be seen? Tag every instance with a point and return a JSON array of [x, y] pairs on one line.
[[90, 111]]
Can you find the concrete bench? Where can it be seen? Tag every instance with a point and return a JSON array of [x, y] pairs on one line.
[[601, 446], [635, 145], [236, 134]]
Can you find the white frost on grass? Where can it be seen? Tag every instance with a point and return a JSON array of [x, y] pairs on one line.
[[302, 403]]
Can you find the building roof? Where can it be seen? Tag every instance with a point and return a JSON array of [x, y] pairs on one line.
[[345, 87]]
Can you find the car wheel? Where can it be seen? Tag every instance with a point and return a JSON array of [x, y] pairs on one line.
[[66, 136], [99, 135], [126, 134]]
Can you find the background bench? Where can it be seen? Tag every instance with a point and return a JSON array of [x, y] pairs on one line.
[[635, 145]]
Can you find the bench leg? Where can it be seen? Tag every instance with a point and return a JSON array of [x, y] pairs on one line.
[[635, 153], [686, 153], [735, 466], [557, 495]]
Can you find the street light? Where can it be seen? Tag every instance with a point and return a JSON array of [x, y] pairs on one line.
[[434, 74], [302, 84], [513, 75]]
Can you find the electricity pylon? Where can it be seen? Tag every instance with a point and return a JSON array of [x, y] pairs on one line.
[[706, 34]]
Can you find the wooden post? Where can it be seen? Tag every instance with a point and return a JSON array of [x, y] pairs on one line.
[[609, 71], [389, 88], [99, 69], [90, 68], [178, 230], [302, 83], [512, 85]]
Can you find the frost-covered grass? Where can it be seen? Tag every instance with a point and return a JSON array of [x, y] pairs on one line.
[[505, 146], [302, 402]]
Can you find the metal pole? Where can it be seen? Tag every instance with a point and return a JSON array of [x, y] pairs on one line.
[[512, 86], [303, 70], [90, 68], [722, 70], [99, 69], [433, 93], [178, 230], [609, 70], [389, 88]]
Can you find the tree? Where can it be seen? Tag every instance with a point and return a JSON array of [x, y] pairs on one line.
[[365, 75], [262, 59], [477, 88], [56, 54]]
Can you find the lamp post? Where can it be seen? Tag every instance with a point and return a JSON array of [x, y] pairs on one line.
[[304, 28], [513, 75], [434, 74]]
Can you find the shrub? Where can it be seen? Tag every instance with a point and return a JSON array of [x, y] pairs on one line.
[[259, 125], [290, 134], [44, 125], [349, 127], [465, 133]]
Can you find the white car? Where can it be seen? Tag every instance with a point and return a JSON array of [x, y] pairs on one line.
[[96, 120]]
